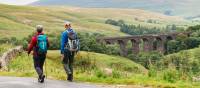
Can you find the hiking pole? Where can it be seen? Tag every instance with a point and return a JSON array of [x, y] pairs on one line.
[[45, 68]]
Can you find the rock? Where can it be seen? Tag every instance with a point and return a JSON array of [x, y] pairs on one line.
[[28, 22], [196, 79], [108, 71]]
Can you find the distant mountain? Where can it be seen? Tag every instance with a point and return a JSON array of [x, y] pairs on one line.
[[168, 7]]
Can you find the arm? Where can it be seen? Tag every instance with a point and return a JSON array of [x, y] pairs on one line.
[[63, 41], [31, 44], [48, 45]]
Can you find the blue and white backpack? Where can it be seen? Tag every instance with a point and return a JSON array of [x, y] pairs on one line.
[[73, 41]]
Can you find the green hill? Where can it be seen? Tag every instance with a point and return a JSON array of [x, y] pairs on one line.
[[19, 21], [188, 60]]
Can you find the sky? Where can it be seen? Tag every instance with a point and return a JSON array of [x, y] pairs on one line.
[[17, 2]]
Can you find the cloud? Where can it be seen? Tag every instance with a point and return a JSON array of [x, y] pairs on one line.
[[17, 2]]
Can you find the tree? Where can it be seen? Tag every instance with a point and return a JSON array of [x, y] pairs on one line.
[[121, 22], [173, 27], [193, 28], [192, 42], [172, 46], [112, 22]]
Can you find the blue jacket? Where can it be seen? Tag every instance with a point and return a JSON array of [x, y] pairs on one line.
[[64, 39]]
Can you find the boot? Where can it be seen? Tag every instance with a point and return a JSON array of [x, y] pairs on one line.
[[70, 77], [41, 78]]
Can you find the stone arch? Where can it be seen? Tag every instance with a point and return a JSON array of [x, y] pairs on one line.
[[160, 44], [108, 42], [135, 46], [145, 44], [123, 44], [157, 43], [169, 38]]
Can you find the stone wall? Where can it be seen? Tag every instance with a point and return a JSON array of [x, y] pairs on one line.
[[9, 55]]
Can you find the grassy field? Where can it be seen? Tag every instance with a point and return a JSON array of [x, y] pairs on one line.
[[91, 67], [19, 21], [21, 65]]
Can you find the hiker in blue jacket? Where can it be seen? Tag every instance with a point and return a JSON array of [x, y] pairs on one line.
[[69, 46]]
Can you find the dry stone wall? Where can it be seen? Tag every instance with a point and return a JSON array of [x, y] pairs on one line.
[[8, 56]]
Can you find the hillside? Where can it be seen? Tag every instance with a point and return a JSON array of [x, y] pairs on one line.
[[190, 57], [92, 65], [19, 21], [170, 7]]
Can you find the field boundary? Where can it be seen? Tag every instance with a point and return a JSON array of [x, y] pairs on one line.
[[8, 56]]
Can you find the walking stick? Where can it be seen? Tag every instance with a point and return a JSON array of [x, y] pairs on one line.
[[45, 68]]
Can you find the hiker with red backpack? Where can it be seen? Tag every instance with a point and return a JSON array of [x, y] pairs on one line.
[[39, 44], [69, 47]]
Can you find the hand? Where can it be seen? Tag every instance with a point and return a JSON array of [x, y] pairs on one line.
[[28, 53], [62, 57]]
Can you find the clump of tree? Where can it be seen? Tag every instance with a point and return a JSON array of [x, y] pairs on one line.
[[195, 28], [141, 30], [184, 42], [138, 30], [89, 43], [113, 22]]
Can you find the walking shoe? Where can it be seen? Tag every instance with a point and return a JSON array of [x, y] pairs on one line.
[[41, 79], [70, 78]]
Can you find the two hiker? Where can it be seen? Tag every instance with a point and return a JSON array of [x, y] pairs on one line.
[[40, 44]]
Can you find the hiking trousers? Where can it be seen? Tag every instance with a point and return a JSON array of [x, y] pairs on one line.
[[68, 62], [38, 63]]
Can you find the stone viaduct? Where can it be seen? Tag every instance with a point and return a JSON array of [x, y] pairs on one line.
[[141, 42]]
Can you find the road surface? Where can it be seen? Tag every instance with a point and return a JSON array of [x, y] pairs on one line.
[[22, 82]]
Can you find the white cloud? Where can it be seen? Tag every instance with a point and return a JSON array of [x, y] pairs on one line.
[[17, 2]]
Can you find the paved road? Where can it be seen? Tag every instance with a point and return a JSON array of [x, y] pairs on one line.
[[20, 82]]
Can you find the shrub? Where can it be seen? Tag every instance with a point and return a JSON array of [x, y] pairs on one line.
[[116, 74], [100, 74], [171, 75], [149, 58], [152, 72], [85, 63]]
